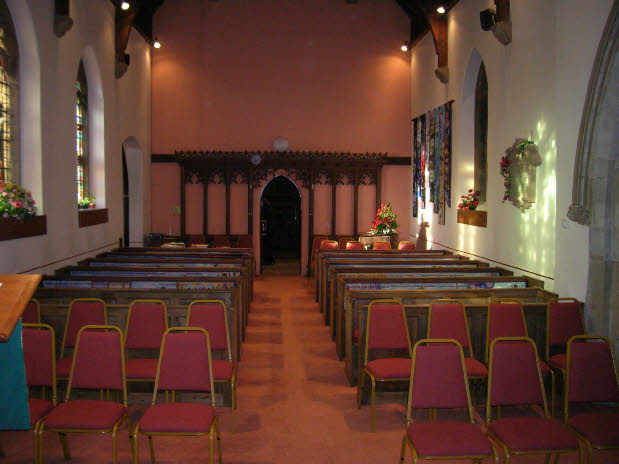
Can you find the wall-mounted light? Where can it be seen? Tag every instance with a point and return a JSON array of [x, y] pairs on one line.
[[156, 43], [405, 46], [124, 5], [441, 9]]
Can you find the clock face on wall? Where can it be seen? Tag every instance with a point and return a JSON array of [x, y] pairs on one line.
[[255, 159]]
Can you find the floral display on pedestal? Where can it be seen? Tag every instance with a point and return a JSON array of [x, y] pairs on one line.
[[385, 221]]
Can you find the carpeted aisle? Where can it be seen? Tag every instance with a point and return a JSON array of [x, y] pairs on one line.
[[294, 403]]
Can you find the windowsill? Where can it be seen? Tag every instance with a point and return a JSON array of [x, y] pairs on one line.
[[92, 217], [11, 229], [473, 218]]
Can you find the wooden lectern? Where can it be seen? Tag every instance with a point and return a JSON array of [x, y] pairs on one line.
[[15, 293]]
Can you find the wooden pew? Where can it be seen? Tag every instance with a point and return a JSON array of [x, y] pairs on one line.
[[55, 302], [416, 304]]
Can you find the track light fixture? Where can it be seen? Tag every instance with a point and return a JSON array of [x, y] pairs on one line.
[[124, 5], [156, 43], [441, 9], [405, 46]]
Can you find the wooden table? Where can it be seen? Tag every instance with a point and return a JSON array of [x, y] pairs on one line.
[[15, 293]]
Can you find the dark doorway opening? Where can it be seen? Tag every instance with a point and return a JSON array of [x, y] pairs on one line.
[[125, 201], [280, 227]]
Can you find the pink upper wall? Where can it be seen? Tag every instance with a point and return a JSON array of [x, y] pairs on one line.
[[324, 74]]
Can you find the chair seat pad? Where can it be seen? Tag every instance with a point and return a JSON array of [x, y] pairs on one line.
[[144, 368], [474, 368], [544, 368], [390, 368], [38, 408], [85, 415], [178, 418], [558, 360], [598, 427], [222, 370], [533, 434], [63, 368], [447, 438]]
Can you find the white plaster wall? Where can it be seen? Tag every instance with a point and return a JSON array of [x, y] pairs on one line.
[[126, 113], [527, 82]]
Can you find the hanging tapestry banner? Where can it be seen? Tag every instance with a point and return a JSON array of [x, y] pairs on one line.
[[432, 150]]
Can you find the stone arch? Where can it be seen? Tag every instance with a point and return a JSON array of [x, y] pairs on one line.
[[595, 197], [30, 138], [96, 121]]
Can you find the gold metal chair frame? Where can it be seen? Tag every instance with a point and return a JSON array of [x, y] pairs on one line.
[[213, 430], [142, 301], [504, 447], [524, 322], [114, 429], [38, 446], [588, 445], [232, 380], [432, 412], [365, 361]]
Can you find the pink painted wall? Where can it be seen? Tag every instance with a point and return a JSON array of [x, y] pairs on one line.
[[367, 207], [193, 208], [344, 197], [324, 74], [165, 195]]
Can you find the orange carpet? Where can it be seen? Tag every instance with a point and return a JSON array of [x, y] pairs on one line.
[[294, 403]]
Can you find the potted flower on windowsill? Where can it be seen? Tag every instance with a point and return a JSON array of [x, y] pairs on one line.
[[467, 210], [86, 202], [16, 202]]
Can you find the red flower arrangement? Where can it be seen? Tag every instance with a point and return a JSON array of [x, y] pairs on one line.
[[470, 201], [385, 220], [504, 170]]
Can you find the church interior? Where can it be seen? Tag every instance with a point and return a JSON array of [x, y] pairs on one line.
[[322, 178]]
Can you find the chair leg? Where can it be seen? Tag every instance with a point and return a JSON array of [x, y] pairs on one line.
[[372, 408], [547, 458], [152, 449], [360, 390], [403, 452], [556, 458], [65, 445], [114, 445], [211, 447], [218, 441], [134, 445], [233, 399]]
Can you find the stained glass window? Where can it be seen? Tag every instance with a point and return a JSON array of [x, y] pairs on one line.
[[81, 134], [9, 150]]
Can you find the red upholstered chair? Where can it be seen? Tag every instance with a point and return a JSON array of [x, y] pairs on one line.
[[354, 245], [382, 246], [40, 363], [98, 364], [82, 312], [447, 319], [386, 329], [563, 321], [406, 246], [32, 313], [221, 241], [506, 319], [342, 241], [196, 240], [329, 245], [184, 365], [147, 321], [438, 381], [315, 247], [245, 241], [211, 316], [515, 379], [592, 377]]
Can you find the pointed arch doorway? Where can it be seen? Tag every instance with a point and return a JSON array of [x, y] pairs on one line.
[[280, 227]]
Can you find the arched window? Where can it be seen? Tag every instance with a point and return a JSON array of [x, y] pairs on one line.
[[481, 132], [9, 149], [81, 134]]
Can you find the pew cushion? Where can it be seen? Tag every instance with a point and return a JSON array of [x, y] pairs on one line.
[[448, 438], [390, 368], [144, 368], [533, 434], [85, 414], [599, 427], [474, 368], [38, 408], [177, 417]]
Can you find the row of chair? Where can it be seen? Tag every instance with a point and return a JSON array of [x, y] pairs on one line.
[[357, 245], [387, 329], [147, 322], [438, 380], [184, 364]]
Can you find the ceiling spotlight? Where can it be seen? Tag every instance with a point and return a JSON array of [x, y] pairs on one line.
[[156, 43], [441, 9], [405, 46], [124, 5]]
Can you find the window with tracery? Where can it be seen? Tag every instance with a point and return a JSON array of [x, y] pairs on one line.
[[9, 150], [81, 134], [481, 132]]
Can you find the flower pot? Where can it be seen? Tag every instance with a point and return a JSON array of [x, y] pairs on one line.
[[473, 217]]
